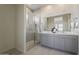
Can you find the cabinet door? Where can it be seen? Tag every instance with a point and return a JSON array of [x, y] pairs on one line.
[[59, 43], [75, 44], [44, 39], [51, 41], [47, 40], [69, 43]]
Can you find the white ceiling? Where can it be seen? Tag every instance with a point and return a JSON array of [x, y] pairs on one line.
[[34, 7]]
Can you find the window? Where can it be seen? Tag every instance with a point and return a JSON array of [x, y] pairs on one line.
[[60, 27], [75, 24], [72, 25], [58, 21]]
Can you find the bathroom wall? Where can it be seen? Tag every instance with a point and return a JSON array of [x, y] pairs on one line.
[[56, 9], [13, 27], [24, 27], [20, 27], [7, 27]]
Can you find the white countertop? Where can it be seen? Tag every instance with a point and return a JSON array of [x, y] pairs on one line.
[[62, 33]]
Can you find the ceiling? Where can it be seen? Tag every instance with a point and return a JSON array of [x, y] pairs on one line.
[[34, 7]]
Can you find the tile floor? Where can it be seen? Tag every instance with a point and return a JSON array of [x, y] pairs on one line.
[[37, 50], [12, 52], [41, 50]]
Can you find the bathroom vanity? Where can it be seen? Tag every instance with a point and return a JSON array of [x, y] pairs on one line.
[[62, 41]]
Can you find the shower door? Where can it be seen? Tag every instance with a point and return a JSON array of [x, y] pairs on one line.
[[29, 29]]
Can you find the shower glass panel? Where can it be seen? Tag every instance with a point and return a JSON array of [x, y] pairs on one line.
[[29, 29]]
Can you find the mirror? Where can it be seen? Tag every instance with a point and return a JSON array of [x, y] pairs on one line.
[[61, 22]]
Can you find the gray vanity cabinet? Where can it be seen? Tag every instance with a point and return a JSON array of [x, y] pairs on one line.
[[62, 42], [59, 43], [70, 44], [47, 40], [44, 39], [51, 41], [75, 43]]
